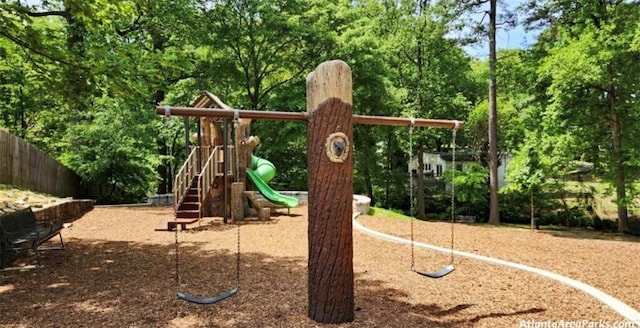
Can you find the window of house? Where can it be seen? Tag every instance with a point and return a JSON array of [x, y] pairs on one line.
[[438, 170]]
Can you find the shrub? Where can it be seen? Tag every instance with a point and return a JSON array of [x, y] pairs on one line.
[[549, 218], [514, 206], [609, 225]]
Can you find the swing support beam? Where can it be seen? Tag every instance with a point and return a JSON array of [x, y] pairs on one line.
[[304, 117]]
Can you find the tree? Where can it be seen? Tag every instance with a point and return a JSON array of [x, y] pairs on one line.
[[470, 187], [432, 71], [147, 54], [99, 61], [363, 47], [526, 173], [494, 213], [593, 79], [492, 126], [263, 45], [517, 71], [117, 155]]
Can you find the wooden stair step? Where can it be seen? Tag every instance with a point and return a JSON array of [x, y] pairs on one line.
[[189, 206], [190, 198], [182, 222], [188, 214]]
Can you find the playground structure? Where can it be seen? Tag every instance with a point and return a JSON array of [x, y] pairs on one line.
[[330, 122], [222, 160]]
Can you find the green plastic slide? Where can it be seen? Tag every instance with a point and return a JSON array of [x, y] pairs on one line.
[[260, 174]]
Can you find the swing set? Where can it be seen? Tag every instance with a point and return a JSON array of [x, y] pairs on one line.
[[234, 290], [330, 123], [449, 268]]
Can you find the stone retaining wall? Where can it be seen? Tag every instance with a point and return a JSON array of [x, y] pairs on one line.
[[68, 210], [160, 200]]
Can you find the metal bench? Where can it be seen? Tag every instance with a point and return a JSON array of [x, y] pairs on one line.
[[20, 232]]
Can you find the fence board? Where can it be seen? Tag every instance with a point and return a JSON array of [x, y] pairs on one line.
[[25, 166]]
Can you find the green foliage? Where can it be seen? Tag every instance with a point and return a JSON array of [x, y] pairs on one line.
[[514, 206], [266, 44], [592, 79], [115, 154], [284, 144], [388, 213], [80, 79], [470, 188], [604, 225]]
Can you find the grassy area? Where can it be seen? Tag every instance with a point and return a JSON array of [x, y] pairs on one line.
[[603, 197], [555, 230], [392, 214]]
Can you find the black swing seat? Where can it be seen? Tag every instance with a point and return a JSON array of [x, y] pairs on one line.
[[438, 274], [207, 300]]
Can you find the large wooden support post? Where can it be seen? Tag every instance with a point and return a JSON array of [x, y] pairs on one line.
[[329, 166]]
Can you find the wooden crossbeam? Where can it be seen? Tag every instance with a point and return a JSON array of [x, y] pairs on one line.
[[304, 117]]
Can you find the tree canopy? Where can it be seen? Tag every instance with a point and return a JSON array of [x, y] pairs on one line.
[[80, 80]]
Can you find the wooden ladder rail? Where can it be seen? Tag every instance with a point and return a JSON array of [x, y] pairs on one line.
[[184, 178], [207, 174]]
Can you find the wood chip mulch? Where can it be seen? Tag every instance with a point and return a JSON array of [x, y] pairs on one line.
[[118, 272]]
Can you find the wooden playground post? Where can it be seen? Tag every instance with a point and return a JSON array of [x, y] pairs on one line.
[[329, 166]]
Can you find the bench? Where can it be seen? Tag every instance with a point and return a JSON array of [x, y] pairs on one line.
[[20, 232]]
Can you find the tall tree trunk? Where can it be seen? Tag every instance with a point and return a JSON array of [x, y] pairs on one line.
[[77, 81], [164, 170], [366, 144], [368, 184], [494, 213], [618, 161]]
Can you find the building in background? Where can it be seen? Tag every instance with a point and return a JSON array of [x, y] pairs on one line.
[[435, 164]]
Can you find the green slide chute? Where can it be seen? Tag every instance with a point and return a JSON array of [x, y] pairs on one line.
[[260, 173]]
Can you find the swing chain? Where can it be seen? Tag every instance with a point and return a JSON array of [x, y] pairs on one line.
[[177, 261], [167, 122], [234, 131], [238, 256], [236, 116], [452, 220], [453, 186], [411, 209]]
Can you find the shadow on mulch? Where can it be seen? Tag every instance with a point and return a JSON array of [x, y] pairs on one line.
[[96, 283], [220, 226], [284, 213], [579, 233], [593, 235]]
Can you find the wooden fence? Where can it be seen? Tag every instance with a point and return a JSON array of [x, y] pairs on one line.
[[25, 166]]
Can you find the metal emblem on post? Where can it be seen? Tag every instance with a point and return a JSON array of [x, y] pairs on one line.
[[337, 147]]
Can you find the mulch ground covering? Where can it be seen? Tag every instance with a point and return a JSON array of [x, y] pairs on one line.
[[118, 272]]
